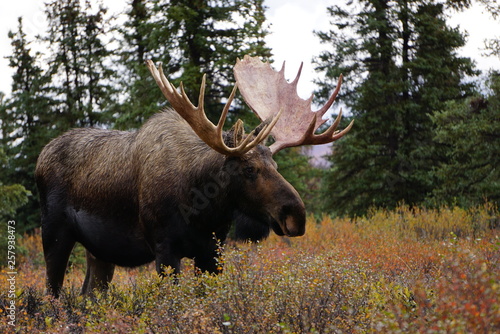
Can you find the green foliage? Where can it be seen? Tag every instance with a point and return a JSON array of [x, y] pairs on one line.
[[400, 65], [25, 123], [140, 41], [81, 76], [469, 132], [12, 197]]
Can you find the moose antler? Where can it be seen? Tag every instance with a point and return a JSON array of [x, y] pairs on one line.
[[266, 91], [202, 126]]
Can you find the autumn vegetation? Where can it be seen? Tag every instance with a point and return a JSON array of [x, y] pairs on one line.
[[401, 271]]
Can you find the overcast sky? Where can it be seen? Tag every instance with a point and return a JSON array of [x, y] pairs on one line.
[[292, 23]]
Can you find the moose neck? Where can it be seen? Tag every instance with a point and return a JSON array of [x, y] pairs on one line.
[[198, 188], [211, 199]]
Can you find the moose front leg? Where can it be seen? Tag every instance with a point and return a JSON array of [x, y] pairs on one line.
[[166, 258], [99, 275]]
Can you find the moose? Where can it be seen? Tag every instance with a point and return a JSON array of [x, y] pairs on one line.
[[171, 189]]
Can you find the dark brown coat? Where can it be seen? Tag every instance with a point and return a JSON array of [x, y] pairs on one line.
[[157, 194]]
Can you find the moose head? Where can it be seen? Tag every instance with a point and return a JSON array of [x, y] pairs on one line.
[[268, 94]]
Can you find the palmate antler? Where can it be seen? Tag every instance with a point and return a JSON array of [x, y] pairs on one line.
[[202, 126], [266, 91]]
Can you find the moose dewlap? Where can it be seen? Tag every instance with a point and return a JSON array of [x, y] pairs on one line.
[[172, 188]]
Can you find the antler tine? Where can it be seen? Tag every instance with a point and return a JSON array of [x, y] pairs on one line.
[[297, 77], [195, 116], [245, 145], [223, 115], [332, 98], [181, 100], [331, 134]]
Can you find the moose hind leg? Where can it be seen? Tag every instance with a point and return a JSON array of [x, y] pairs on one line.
[[57, 246], [99, 275]]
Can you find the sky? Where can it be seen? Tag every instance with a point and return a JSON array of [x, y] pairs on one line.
[[291, 39]]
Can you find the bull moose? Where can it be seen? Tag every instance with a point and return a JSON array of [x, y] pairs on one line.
[[170, 189]]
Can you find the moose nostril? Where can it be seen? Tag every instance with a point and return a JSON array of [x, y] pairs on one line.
[[295, 228], [293, 219]]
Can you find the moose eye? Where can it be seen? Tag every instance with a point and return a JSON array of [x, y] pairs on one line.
[[249, 171]]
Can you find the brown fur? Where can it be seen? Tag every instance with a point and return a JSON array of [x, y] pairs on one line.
[[159, 193]]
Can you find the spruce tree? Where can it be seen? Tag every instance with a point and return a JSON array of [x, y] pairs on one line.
[[12, 196], [191, 38], [400, 64], [26, 122], [470, 132], [138, 40], [79, 63]]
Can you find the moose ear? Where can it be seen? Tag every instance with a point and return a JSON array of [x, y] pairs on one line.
[[235, 135], [261, 127]]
